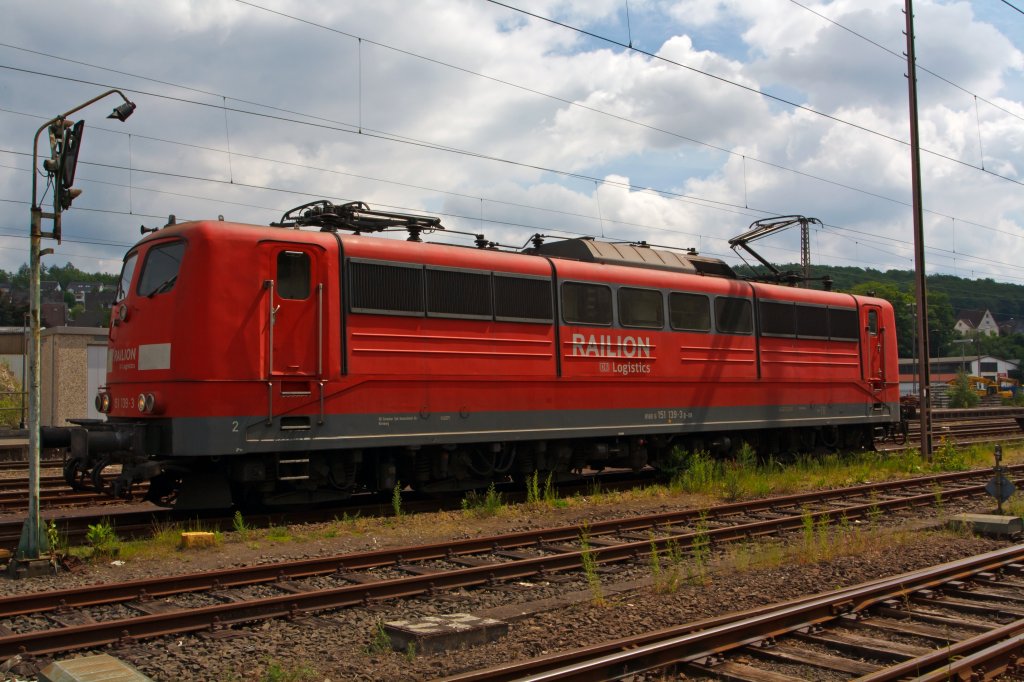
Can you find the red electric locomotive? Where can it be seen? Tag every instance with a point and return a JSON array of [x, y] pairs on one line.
[[286, 365]]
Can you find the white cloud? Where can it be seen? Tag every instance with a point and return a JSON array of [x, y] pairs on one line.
[[763, 155]]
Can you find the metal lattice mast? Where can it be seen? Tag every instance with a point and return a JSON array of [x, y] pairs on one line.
[[805, 251]]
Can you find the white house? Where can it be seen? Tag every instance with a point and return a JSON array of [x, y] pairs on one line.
[[976, 322]]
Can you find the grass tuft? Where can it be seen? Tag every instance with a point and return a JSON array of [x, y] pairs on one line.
[[483, 506]]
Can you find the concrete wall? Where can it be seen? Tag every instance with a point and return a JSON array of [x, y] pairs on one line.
[[67, 391]]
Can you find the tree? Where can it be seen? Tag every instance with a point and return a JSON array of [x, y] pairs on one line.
[[940, 324], [961, 393], [12, 314], [22, 276]]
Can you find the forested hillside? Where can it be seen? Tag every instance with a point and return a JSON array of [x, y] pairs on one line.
[[947, 296]]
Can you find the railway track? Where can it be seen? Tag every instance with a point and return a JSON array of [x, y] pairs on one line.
[[134, 520], [53, 494], [138, 519], [962, 620], [57, 621]]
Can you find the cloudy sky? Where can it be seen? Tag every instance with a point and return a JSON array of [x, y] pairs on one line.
[[532, 116]]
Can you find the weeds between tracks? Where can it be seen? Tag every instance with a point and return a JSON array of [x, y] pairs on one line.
[[698, 480]]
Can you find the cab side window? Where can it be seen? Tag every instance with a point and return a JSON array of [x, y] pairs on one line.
[[160, 268], [293, 275]]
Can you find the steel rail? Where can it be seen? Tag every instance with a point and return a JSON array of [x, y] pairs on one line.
[[163, 586], [234, 577], [55, 499], [960, 660], [131, 521], [703, 639], [291, 605]]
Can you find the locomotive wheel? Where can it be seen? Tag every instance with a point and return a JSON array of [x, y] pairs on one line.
[[163, 490], [830, 436], [97, 474], [121, 488], [899, 433], [75, 476]]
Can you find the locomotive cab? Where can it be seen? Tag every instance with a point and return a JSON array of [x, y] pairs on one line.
[[218, 334], [138, 366]]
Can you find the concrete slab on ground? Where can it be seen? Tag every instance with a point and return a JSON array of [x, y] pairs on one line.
[[431, 634], [990, 525], [100, 668]]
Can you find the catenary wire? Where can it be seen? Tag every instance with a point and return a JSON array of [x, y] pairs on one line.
[[861, 237], [698, 199], [448, 65]]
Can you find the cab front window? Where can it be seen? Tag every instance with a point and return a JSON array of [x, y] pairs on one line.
[[127, 271], [160, 268]]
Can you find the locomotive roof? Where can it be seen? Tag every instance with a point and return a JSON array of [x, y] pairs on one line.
[[584, 249], [589, 250]]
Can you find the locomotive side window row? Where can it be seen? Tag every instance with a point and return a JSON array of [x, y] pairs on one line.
[[400, 289], [591, 304], [797, 320], [408, 289]]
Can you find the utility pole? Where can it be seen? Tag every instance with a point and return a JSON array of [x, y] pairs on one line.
[[65, 141], [924, 367]]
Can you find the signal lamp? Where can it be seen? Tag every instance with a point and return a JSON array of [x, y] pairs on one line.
[[122, 111], [67, 163]]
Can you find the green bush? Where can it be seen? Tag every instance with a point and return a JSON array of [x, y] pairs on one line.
[[11, 397], [481, 506], [102, 538], [961, 393]]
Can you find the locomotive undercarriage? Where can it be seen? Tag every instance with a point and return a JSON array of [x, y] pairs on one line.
[[303, 478]]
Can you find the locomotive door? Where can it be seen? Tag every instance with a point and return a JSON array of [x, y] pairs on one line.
[[294, 296], [874, 352]]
